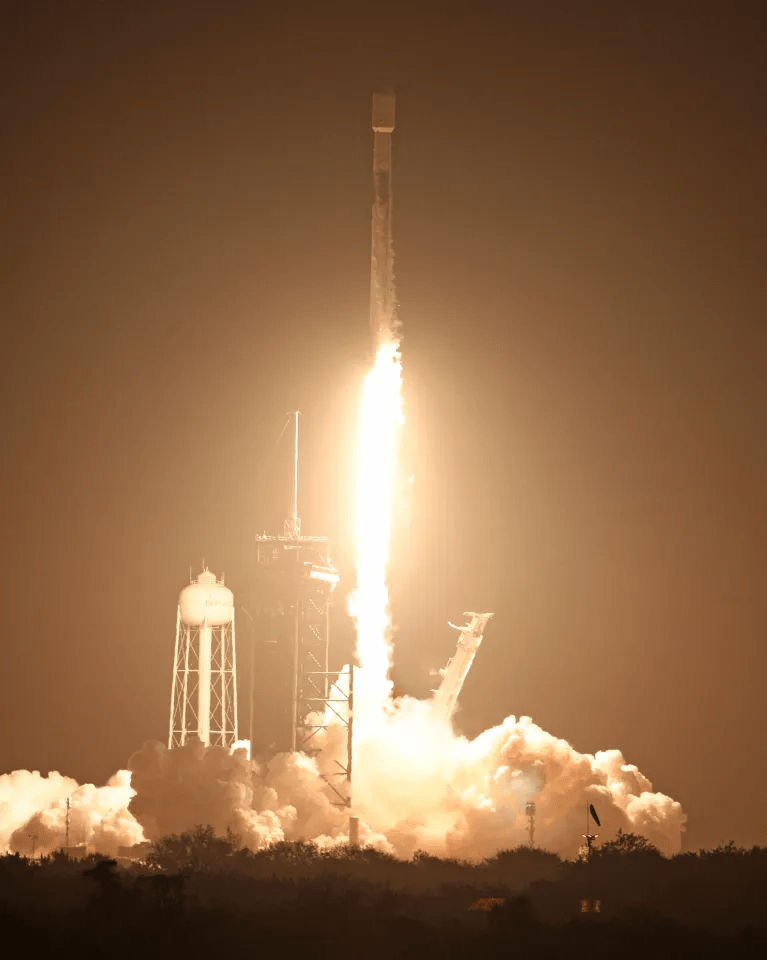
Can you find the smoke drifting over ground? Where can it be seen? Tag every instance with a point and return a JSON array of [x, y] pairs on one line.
[[421, 786], [416, 786], [33, 813], [193, 784]]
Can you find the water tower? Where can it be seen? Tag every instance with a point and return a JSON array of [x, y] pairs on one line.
[[204, 694]]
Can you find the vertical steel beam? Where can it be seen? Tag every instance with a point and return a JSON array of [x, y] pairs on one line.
[[187, 631], [234, 730], [174, 692]]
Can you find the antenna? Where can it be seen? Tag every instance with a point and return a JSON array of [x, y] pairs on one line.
[[590, 905], [69, 807], [293, 524]]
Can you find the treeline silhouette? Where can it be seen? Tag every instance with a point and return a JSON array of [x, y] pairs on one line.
[[199, 895]]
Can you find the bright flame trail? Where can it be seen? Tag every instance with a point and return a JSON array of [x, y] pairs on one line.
[[377, 438], [381, 417]]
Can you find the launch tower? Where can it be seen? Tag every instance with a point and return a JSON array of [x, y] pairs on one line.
[[294, 582]]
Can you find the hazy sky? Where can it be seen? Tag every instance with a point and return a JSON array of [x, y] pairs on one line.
[[579, 209]]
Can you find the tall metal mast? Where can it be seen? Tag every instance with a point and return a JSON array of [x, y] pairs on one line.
[[294, 582], [382, 294], [293, 523]]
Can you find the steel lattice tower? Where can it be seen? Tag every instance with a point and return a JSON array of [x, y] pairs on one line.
[[294, 582]]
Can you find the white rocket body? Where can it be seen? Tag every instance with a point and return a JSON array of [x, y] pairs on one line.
[[382, 294]]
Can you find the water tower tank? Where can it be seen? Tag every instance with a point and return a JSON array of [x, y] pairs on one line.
[[206, 600], [204, 693]]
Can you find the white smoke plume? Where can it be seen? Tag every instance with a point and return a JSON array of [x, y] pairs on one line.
[[33, 813], [178, 789], [417, 786], [421, 786]]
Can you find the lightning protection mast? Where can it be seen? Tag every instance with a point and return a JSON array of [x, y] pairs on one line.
[[295, 579]]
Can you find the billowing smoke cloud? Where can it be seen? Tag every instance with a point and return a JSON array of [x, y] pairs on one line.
[[194, 784], [423, 787], [33, 813], [417, 786]]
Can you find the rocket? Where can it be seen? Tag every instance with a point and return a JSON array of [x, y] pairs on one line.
[[382, 297]]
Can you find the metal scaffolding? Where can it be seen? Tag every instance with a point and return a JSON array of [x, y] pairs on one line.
[[337, 699], [204, 690], [294, 583]]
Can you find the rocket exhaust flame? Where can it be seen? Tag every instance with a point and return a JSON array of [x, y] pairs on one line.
[[381, 416]]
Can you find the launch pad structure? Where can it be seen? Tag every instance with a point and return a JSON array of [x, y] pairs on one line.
[[294, 583]]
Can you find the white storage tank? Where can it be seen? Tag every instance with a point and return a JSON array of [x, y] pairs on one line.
[[206, 599], [204, 693]]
